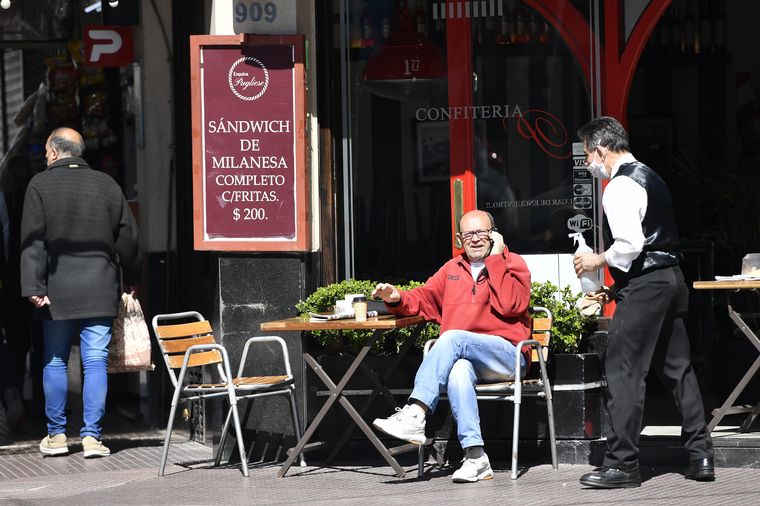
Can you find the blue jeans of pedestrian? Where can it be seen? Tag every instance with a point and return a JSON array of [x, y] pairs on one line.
[[458, 361], [95, 336]]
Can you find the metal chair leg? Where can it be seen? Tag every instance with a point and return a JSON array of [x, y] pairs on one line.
[[515, 436], [167, 439], [421, 462], [296, 423], [239, 434], [550, 415], [223, 439]]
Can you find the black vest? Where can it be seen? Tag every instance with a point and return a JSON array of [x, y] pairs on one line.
[[659, 226]]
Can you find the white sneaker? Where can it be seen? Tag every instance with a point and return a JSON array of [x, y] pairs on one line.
[[407, 424], [473, 470]]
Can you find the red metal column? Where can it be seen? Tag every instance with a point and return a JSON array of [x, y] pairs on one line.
[[461, 132]]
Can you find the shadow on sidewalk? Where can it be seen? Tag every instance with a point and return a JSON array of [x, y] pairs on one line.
[[120, 430]]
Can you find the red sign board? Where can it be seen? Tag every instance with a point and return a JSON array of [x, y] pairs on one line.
[[249, 177], [109, 46]]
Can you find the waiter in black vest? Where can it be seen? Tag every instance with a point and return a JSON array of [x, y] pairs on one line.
[[648, 329]]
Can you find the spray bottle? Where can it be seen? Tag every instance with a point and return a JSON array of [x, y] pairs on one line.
[[589, 280]]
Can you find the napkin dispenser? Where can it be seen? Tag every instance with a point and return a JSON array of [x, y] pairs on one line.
[[751, 264]]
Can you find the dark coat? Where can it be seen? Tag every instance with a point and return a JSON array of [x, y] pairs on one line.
[[76, 231]]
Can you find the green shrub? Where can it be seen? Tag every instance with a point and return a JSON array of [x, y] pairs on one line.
[[323, 300], [569, 324]]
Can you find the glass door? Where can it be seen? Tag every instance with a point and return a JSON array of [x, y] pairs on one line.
[[450, 106]]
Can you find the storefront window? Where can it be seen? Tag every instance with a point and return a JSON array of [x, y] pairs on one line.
[[527, 97], [47, 83], [37, 20]]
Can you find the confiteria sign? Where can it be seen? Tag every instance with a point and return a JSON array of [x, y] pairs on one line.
[[248, 143]]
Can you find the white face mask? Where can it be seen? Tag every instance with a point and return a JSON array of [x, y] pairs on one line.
[[597, 170]]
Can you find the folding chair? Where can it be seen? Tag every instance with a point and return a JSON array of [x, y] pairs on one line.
[[190, 343], [513, 391]]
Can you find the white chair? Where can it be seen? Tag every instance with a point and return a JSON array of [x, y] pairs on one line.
[[513, 391]]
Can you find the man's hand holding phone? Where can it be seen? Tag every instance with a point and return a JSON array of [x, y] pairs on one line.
[[497, 243]]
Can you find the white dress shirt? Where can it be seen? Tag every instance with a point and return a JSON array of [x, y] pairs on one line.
[[625, 204]]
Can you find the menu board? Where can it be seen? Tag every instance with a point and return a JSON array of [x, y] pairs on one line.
[[249, 175]]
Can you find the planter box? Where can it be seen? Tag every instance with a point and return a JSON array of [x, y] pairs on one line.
[[579, 411]]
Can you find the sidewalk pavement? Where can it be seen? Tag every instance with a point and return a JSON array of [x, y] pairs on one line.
[[129, 476]]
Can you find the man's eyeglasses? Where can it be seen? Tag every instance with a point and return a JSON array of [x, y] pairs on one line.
[[482, 234]]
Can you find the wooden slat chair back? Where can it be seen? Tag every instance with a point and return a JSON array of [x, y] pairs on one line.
[[186, 340], [535, 383], [541, 331], [174, 341]]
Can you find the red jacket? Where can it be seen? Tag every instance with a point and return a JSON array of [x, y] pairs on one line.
[[497, 304]]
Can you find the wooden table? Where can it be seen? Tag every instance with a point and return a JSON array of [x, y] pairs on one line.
[[380, 324], [728, 407]]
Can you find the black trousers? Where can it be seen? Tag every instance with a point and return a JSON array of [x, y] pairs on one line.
[[648, 330]]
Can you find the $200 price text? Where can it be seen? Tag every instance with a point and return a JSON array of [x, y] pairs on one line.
[[249, 214]]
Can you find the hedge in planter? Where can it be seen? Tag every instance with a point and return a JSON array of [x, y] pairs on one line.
[[578, 412], [569, 325], [323, 299]]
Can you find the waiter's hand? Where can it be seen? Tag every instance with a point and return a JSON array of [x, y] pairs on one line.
[[387, 292], [604, 295], [39, 300], [497, 243], [588, 262]]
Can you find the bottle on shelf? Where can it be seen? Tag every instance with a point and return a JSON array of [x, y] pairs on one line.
[[477, 32], [689, 32], [366, 28], [490, 28], [440, 22], [706, 36], [653, 42], [520, 32], [676, 32], [405, 22], [420, 19], [385, 26], [534, 27], [505, 29], [545, 31], [720, 28], [663, 34]]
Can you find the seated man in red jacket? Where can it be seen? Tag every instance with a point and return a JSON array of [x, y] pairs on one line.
[[480, 299]]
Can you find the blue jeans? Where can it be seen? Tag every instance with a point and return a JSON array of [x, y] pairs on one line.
[[459, 360], [95, 336]]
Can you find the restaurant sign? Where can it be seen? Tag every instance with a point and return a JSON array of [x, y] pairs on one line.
[[249, 181]]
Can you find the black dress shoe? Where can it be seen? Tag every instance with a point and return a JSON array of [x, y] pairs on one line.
[[610, 477], [701, 470]]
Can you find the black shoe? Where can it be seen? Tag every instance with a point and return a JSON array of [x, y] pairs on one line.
[[609, 477], [701, 470]]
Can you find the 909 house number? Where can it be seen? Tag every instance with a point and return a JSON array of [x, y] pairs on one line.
[[255, 12]]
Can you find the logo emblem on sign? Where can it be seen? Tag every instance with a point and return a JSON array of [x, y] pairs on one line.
[[108, 46], [579, 223], [248, 78], [581, 189]]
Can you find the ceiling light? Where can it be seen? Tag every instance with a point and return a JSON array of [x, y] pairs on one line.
[[5, 4], [113, 3], [94, 6]]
